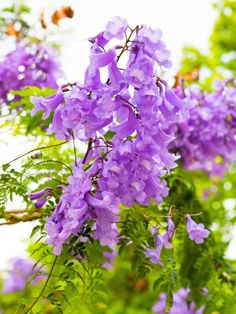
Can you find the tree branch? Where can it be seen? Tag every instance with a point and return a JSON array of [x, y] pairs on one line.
[[33, 150], [14, 217]]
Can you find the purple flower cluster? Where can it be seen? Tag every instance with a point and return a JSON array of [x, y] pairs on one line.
[[28, 65], [180, 304], [132, 107], [78, 205], [20, 273], [207, 140]]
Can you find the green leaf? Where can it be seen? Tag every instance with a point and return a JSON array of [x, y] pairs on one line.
[[109, 135]]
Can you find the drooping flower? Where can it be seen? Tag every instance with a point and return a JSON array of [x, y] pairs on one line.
[[47, 104], [105, 210], [71, 212], [154, 255], [78, 206], [41, 197], [196, 232], [161, 240], [169, 234]]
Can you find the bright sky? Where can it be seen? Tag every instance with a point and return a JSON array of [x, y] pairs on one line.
[[182, 22]]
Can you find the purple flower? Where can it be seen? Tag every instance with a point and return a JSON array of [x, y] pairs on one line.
[[161, 240], [20, 273], [39, 204], [180, 304], [41, 197], [71, 212], [101, 59], [150, 36], [99, 39], [196, 232], [115, 28], [37, 195], [132, 168], [148, 42], [77, 206], [47, 104], [140, 72], [105, 211], [154, 255], [169, 234]]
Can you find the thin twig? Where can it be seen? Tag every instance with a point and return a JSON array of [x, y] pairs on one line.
[[33, 150], [55, 161], [126, 43], [88, 150], [44, 287], [75, 154]]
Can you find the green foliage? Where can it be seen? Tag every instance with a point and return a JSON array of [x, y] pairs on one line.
[[23, 122], [220, 62], [223, 41]]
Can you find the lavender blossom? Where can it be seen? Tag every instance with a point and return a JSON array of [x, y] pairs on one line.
[[161, 240], [77, 206], [41, 197], [115, 28], [154, 255], [169, 234], [196, 232], [47, 104]]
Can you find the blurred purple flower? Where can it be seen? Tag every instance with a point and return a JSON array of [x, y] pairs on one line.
[[180, 304], [28, 65], [206, 140], [20, 273], [109, 256]]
